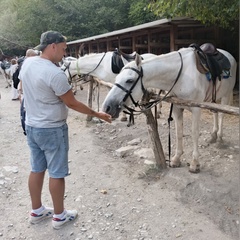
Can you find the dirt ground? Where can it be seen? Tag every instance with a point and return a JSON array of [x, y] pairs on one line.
[[123, 197]]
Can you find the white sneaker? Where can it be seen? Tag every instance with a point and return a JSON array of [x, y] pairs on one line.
[[36, 218], [69, 216]]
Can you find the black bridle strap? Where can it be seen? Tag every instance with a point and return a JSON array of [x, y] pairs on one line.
[[153, 103], [70, 76], [129, 92], [150, 104]]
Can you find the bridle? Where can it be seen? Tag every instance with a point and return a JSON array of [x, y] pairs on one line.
[[69, 73], [129, 92], [143, 106]]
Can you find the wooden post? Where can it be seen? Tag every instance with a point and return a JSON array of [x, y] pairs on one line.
[[90, 96], [154, 135]]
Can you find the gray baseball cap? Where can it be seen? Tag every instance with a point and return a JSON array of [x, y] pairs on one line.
[[50, 37]]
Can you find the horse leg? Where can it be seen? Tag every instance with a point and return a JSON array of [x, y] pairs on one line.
[[81, 86], [224, 101], [159, 112], [217, 132], [178, 118], [195, 165], [213, 138], [74, 88]]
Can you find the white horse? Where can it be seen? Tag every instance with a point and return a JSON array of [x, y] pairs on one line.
[[104, 66], [176, 70]]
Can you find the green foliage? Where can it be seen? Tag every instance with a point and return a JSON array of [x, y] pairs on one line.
[[139, 13], [27, 19], [210, 12], [23, 21]]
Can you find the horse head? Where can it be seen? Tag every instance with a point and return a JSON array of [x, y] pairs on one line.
[[128, 88], [66, 65]]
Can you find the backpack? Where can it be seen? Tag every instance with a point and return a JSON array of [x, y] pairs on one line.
[[15, 78]]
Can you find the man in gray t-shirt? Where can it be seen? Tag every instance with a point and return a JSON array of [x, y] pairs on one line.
[[47, 97], [44, 107]]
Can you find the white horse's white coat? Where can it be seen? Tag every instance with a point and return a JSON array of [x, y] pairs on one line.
[[161, 72]]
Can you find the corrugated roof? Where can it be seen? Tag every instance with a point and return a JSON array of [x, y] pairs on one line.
[[130, 29]]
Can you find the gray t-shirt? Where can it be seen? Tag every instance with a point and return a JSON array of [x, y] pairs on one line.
[[43, 82]]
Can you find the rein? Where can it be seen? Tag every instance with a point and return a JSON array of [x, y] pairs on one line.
[[96, 66], [145, 106]]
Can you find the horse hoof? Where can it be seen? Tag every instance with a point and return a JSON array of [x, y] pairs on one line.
[[220, 140], [175, 165], [194, 170], [212, 140], [123, 119]]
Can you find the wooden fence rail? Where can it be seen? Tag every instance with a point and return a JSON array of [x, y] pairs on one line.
[[207, 105]]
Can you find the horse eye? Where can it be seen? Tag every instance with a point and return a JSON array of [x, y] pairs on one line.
[[130, 81]]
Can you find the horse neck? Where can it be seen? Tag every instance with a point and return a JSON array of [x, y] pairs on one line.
[[98, 65], [161, 72]]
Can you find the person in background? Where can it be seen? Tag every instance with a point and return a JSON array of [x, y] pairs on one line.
[[29, 53], [13, 69], [47, 97]]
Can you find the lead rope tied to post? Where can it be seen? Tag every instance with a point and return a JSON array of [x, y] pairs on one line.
[[169, 134]]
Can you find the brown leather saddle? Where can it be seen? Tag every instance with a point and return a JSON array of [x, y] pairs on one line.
[[211, 62], [209, 59]]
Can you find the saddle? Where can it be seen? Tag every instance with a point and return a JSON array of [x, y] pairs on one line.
[[117, 62], [209, 59], [212, 63]]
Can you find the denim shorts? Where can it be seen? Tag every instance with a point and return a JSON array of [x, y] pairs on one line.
[[49, 150]]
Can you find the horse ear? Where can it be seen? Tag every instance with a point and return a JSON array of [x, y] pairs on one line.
[[138, 59], [80, 50]]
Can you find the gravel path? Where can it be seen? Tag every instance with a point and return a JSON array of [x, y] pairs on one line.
[[120, 197]]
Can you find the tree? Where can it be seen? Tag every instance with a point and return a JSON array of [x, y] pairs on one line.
[[27, 19], [210, 12], [139, 13]]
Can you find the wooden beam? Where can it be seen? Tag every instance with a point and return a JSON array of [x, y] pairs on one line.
[[207, 105], [189, 41]]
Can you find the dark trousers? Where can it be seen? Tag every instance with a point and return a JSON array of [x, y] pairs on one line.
[[23, 115]]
